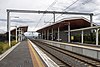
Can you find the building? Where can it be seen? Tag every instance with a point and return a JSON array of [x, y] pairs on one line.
[[60, 31], [20, 30]]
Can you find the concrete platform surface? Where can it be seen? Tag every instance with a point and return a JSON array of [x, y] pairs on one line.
[[19, 57]]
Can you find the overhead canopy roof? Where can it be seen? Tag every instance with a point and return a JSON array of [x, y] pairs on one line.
[[23, 28], [75, 23]]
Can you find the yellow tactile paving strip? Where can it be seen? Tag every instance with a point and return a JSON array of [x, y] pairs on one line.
[[37, 62]]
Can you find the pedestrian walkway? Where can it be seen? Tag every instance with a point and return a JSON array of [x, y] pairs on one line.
[[19, 57]]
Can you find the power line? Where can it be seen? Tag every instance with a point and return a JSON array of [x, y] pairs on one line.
[[68, 7], [44, 14], [64, 10], [96, 14]]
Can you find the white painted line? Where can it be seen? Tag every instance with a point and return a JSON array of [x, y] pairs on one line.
[[45, 58], [2, 56]]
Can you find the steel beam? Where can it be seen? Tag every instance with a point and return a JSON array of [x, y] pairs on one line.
[[49, 12], [87, 28]]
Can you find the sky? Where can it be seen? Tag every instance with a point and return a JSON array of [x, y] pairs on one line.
[[37, 21]]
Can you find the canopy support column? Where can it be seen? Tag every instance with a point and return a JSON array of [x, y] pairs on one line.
[[16, 33], [58, 35], [52, 33], [69, 32], [97, 36], [82, 36]]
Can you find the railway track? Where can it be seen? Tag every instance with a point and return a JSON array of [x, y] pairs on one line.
[[69, 58]]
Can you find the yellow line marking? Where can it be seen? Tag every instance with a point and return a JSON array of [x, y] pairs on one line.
[[38, 60], [33, 58]]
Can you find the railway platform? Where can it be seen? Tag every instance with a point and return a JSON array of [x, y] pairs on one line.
[[26, 54], [45, 53], [22, 56]]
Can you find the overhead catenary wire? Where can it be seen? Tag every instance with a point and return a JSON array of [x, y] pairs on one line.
[[96, 14], [83, 3], [69, 7], [87, 1], [64, 10], [53, 3]]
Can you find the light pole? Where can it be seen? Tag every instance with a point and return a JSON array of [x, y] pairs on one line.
[[8, 27]]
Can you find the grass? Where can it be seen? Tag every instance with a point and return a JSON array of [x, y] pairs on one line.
[[13, 43], [4, 46]]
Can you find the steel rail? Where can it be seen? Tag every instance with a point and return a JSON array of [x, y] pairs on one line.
[[67, 65], [90, 61]]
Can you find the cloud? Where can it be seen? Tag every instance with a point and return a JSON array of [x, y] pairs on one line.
[[32, 20], [2, 31], [18, 20], [84, 6]]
